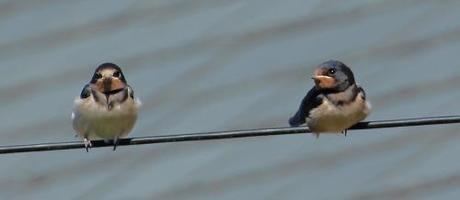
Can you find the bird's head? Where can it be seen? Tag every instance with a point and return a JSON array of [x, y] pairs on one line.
[[108, 78], [333, 75]]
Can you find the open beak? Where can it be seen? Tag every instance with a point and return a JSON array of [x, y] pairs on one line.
[[323, 81], [109, 84]]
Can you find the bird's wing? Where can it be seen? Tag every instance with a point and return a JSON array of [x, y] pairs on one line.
[[310, 101], [360, 89], [130, 91], [86, 92]]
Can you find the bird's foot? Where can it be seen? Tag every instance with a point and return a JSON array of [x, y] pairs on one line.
[[115, 143], [316, 134], [88, 144], [345, 132]]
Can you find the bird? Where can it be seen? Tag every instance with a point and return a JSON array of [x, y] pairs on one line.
[[106, 108], [335, 103]]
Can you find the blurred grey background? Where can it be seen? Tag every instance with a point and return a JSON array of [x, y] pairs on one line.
[[210, 65]]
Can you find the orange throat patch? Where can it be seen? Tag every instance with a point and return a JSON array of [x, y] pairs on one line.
[[107, 85], [325, 82]]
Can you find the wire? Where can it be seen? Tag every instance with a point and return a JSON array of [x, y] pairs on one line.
[[225, 135]]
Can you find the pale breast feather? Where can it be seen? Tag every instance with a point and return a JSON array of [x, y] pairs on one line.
[[329, 117]]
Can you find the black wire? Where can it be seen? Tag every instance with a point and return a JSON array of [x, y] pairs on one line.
[[225, 135]]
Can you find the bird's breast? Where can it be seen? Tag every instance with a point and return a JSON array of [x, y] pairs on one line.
[[96, 121], [329, 117]]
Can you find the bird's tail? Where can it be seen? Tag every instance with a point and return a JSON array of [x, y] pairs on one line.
[[297, 120]]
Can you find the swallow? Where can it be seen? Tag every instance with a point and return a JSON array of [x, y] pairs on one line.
[[106, 108], [335, 103]]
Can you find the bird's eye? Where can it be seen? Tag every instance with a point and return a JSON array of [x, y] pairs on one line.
[[332, 71], [98, 76], [117, 74]]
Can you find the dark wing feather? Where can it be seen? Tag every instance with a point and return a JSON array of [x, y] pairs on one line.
[[86, 92], [310, 101], [130, 92], [360, 89]]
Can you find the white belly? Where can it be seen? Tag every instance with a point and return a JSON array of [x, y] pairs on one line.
[[94, 121], [335, 119]]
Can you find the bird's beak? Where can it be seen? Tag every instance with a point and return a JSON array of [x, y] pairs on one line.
[[107, 84], [323, 81]]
